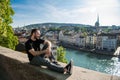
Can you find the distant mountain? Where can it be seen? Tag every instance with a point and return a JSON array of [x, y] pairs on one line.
[[56, 25]]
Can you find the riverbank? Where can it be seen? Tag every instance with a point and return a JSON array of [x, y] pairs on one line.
[[101, 52]]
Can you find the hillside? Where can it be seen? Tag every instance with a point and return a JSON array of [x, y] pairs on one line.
[[55, 25]]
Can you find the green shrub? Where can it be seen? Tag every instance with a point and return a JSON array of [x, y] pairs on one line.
[[61, 52]]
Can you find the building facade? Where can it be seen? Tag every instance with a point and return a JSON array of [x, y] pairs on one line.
[[107, 42], [80, 41]]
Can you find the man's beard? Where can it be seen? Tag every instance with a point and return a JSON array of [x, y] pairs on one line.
[[35, 37]]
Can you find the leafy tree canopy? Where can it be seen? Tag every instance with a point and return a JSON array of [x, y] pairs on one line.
[[7, 38]]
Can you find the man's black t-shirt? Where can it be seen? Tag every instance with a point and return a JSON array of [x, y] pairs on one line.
[[30, 44]]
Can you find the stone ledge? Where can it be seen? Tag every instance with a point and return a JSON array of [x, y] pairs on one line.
[[16, 63], [16, 70]]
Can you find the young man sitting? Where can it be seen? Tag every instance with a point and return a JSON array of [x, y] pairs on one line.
[[37, 56]]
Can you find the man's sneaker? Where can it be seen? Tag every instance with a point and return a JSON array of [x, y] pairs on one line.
[[55, 62], [69, 67]]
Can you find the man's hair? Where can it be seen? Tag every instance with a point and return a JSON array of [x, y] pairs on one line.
[[33, 31]]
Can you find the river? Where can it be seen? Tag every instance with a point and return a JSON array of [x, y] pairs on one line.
[[101, 63]]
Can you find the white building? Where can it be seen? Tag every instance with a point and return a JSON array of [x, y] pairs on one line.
[[75, 39], [52, 36], [80, 41], [106, 42], [109, 44], [61, 36], [68, 38], [90, 41]]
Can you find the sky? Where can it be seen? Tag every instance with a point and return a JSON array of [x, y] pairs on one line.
[[66, 11]]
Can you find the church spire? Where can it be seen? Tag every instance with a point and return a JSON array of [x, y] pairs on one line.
[[97, 22], [98, 18]]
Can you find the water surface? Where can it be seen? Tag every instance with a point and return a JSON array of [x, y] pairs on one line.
[[101, 63]]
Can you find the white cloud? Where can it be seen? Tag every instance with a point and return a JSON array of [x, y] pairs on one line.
[[102, 3], [79, 15], [107, 10]]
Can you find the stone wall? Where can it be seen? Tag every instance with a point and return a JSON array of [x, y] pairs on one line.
[[18, 69], [15, 66]]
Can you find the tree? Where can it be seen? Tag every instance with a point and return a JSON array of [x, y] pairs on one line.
[[83, 29], [7, 38], [61, 54], [54, 29], [106, 30], [77, 29], [84, 34]]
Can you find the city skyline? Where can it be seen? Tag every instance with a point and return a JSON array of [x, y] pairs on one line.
[[70, 11]]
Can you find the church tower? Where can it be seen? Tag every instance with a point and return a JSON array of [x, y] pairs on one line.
[[97, 24]]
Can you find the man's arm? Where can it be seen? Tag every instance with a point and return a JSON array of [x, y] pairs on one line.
[[49, 46], [48, 43], [36, 53], [30, 49]]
